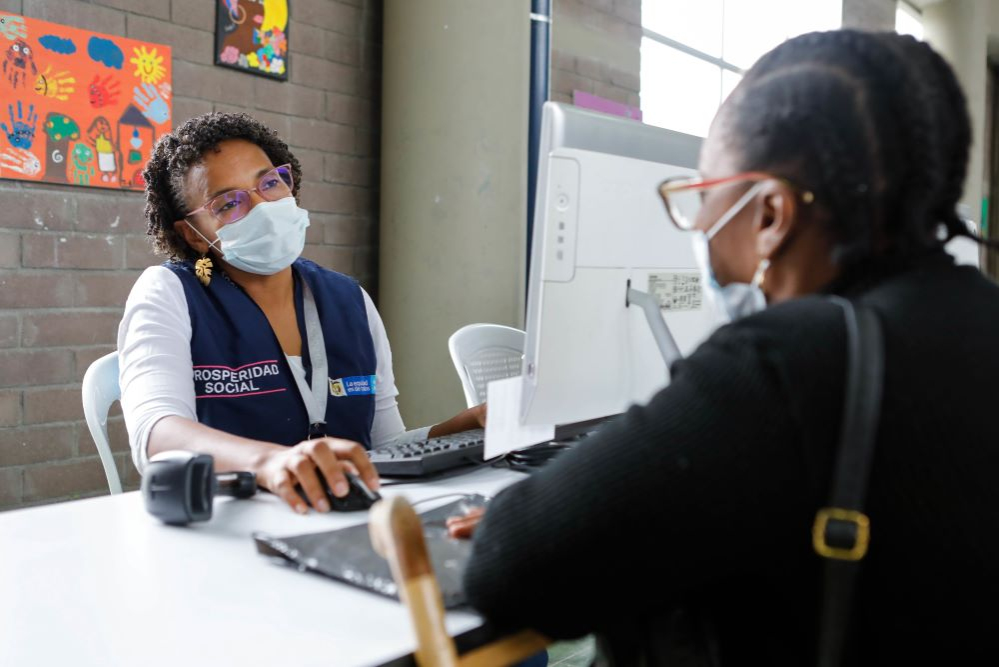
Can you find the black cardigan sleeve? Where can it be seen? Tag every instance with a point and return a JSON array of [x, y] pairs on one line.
[[702, 483]]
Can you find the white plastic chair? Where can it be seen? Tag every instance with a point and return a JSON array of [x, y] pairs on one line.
[[485, 352], [100, 391]]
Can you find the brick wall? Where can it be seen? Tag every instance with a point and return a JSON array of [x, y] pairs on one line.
[[68, 256], [578, 67]]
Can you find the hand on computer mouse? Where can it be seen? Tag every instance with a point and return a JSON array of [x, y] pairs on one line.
[[285, 470], [359, 496], [462, 527]]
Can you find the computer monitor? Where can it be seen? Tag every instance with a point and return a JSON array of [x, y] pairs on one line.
[[599, 225]]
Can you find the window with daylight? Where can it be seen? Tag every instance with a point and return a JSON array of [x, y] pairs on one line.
[[908, 20], [694, 53]]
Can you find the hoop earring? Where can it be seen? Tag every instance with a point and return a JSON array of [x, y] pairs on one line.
[[203, 270]]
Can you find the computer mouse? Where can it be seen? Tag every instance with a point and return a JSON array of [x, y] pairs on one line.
[[358, 498]]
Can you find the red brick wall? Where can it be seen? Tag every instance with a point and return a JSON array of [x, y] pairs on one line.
[[68, 256], [617, 21]]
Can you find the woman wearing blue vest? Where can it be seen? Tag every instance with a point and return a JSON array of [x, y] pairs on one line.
[[236, 346]]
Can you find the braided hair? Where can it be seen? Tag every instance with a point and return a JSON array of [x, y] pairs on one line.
[[175, 154], [874, 124]]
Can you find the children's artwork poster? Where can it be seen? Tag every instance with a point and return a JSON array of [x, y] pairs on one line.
[[79, 107], [252, 36]]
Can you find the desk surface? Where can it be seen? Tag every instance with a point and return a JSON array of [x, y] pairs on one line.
[[100, 582]]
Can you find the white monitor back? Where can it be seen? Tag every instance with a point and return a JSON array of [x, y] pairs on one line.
[[599, 223]]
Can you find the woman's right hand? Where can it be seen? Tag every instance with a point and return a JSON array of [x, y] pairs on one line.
[[284, 468], [463, 527]]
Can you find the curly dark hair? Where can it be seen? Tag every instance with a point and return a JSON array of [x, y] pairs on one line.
[[175, 154], [875, 124]]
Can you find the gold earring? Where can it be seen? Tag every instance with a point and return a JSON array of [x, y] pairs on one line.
[[203, 270]]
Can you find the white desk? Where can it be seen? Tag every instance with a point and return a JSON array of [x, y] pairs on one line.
[[100, 582]]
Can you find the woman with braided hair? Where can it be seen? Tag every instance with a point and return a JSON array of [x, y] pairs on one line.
[[833, 170], [237, 346]]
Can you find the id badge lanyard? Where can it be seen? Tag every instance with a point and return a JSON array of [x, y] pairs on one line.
[[314, 397]]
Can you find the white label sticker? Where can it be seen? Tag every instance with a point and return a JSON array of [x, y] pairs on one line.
[[676, 291]]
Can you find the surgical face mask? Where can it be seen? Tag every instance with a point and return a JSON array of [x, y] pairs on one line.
[[735, 300], [267, 240]]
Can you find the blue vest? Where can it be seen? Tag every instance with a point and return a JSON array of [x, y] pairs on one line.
[[242, 381]]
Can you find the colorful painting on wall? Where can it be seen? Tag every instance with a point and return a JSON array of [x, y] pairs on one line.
[[252, 36], [79, 107]]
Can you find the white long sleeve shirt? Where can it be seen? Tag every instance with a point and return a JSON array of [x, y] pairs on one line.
[[156, 371]]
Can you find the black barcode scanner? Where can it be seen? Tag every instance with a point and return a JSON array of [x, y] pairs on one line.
[[179, 487]]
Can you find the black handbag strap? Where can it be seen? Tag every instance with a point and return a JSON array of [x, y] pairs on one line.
[[841, 532]]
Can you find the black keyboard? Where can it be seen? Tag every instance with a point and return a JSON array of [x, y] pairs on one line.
[[433, 455]]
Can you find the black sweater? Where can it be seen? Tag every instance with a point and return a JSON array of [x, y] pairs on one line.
[[709, 491]]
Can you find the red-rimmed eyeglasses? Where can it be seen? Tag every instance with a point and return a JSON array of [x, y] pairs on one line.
[[684, 195]]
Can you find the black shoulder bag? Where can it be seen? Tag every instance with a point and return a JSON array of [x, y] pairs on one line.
[[842, 531], [840, 534]]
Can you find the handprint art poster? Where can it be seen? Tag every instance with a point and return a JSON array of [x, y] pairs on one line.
[[78, 107], [252, 36]]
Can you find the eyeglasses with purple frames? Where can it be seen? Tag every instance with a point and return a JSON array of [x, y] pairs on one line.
[[234, 205]]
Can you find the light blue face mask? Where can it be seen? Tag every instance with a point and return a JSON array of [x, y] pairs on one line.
[[734, 300], [267, 240]]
